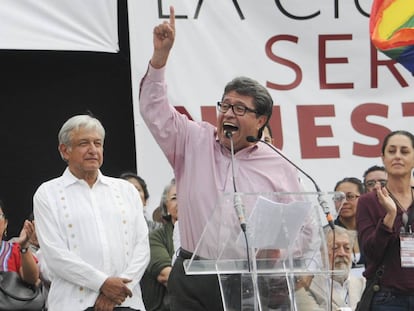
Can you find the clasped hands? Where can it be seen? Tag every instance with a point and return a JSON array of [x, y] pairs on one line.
[[113, 292], [26, 233]]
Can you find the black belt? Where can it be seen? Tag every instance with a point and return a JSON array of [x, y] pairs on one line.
[[187, 255]]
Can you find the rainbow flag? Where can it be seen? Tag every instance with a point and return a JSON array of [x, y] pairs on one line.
[[392, 30]]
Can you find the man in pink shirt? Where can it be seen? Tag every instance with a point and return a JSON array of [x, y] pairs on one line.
[[201, 158]]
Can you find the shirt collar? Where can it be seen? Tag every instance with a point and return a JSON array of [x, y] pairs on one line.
[[69, 178], [246, 150], [345, 285]]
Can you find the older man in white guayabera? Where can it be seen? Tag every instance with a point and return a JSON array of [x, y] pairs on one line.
[[347, 288]]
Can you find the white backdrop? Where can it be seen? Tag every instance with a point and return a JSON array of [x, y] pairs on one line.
[[336, 100], [85, 25]]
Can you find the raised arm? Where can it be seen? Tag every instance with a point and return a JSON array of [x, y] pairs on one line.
[[29, 270], [388, 204], [164, 35]]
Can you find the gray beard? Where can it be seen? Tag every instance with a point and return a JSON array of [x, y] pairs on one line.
[[341, 277]]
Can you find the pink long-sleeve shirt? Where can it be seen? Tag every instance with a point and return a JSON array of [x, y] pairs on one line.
[[202, 166]]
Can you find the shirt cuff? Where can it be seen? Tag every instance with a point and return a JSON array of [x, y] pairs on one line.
[[154, 74]]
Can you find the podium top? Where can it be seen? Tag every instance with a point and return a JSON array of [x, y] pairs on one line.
[[284, 230]]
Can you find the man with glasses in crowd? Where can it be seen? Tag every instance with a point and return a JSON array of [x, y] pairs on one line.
[[373, 175], [200, 155]]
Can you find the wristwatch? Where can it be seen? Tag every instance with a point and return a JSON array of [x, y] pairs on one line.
[[24, 250]]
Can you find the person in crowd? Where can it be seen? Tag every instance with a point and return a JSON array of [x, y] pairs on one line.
[[373, 175], [384, 223], [35, 249], [155, 280], [352, 187], [45, 276], [157, 215], [15, 255], [267, 134], [347, 288], [200, 155], [140, 184], [91, 227], [33, 241]]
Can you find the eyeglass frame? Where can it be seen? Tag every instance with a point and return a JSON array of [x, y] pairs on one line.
[[350, 197], [237, 105], [383, 182]]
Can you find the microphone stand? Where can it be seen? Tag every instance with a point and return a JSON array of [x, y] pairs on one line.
[[238, 206]]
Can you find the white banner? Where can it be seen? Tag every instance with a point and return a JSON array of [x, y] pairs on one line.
[[335, 96], [84, 25]]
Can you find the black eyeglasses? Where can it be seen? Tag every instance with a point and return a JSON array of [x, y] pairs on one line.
[[372, 182], [238, 109]]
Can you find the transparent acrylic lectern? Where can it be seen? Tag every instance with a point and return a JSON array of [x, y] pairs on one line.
[[262, 268]]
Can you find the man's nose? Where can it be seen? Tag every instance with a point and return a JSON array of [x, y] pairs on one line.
[[340, 251], [92, 148]]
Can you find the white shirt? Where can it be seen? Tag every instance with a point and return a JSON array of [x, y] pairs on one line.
[[176, 242], [345, 295], [342, 291], [89, 234]]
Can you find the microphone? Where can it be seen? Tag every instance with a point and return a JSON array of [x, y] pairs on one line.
[[321, 201], [237, 200]]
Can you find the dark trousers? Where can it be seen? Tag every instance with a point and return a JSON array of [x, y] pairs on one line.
[[385, 300], [202, 292], [193, 292]]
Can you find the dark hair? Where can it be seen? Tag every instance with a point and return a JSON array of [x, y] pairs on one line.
[[352, 180], [398, 132], [373, 169], [129, 175], [261, 97]]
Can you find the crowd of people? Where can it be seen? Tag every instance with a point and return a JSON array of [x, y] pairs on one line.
[[94, 246]]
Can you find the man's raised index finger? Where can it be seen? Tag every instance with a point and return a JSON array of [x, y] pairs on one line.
[[172, 16]]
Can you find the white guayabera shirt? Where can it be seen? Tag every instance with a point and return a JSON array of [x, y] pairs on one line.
[[88, 234]]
